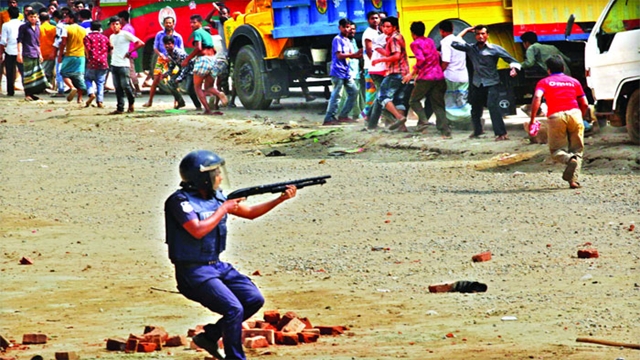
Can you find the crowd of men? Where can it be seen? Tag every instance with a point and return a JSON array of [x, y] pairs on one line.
[[63, 49], [441, 78]]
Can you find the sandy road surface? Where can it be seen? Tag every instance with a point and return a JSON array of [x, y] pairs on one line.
[[82, 195]]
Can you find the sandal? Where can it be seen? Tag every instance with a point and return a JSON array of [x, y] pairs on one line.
[[398, 123]]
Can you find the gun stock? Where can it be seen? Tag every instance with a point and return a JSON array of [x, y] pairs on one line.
[[277, 187]]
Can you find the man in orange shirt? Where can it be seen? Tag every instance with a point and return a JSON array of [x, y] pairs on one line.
[[47, 37]]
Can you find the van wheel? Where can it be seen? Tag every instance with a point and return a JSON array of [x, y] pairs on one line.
[[248, 80], [633, 123]]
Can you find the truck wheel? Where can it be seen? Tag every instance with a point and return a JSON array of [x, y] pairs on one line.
[[249, 81], [633, 123]]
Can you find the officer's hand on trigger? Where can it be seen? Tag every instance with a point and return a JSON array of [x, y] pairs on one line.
[[232, 205], [289, 193]]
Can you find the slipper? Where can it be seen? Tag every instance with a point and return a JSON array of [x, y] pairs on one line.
[[146, 105], [398, 123], [502, 137], [467, 287], [570, 170], [574, 185], [72, 94]]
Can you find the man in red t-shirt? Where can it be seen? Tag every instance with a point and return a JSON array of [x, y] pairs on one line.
[[567, 106]]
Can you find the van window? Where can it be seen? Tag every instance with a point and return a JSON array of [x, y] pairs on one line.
[[623, 16]]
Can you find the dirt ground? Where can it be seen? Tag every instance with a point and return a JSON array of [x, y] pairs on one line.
[[82, 194]]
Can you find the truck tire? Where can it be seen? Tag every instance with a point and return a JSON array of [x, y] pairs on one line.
[[249, 81], [633, 123]]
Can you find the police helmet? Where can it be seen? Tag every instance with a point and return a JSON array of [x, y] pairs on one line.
[[196, 168]]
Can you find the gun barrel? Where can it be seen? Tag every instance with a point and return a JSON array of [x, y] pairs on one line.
[[278, 187]]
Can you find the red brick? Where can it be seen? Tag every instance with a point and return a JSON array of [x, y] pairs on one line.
[[69, 355], [155, 330], [288, 316], [249, 324], [267, 326], [116, 344], [294, 326], [26, 261], [485, 256], [256, 273], [34, 339], [312, 331], [178, 340], [131, 346], [307, 337], [278, 338], [272, 317], [440, 288], [588, 253], [331, 330], [7, 357], [306, 322], [289, 338], [255, 342], [154, 338], [146, 347], [267, 334]]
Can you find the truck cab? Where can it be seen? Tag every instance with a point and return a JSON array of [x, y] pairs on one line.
[[612, 65]]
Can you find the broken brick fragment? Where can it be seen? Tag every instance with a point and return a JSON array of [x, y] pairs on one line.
[[288, 316], [178, 340], [116, 344], [146, 347], [131, 345], [266, 333], [307, 323], [278, 338], [34, 339], [66, 355], [294, 326], [272, 317], [331, 330], [588, 254], [441, 287], [150, 331], [484, 256], [255, 342], [308, 337], [289, 339], [256, 273], [26, 261], [267, 326]]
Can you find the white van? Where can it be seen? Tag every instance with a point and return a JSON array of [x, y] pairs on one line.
[[612, 65]]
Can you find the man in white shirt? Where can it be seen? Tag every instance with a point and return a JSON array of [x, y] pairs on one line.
[[120, 41], [9, 46], [454, 64], [368, 38]]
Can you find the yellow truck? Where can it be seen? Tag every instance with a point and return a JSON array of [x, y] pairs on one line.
[[278, 44]]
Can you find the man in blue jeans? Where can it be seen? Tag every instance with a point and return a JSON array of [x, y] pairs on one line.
[[342, 50], [96, 46], [391, 93]]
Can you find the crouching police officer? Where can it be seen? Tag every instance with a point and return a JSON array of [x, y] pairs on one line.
[[196, 232]]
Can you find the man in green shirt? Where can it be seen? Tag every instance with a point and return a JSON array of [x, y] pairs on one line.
[[538, 54], [204, 68]]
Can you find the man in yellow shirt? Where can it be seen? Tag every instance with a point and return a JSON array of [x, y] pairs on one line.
[[47, 37], [72, 49]]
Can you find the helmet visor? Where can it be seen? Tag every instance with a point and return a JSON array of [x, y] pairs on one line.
[[219, 179]]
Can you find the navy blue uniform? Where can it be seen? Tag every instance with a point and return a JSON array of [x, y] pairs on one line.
[[200, 274]]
